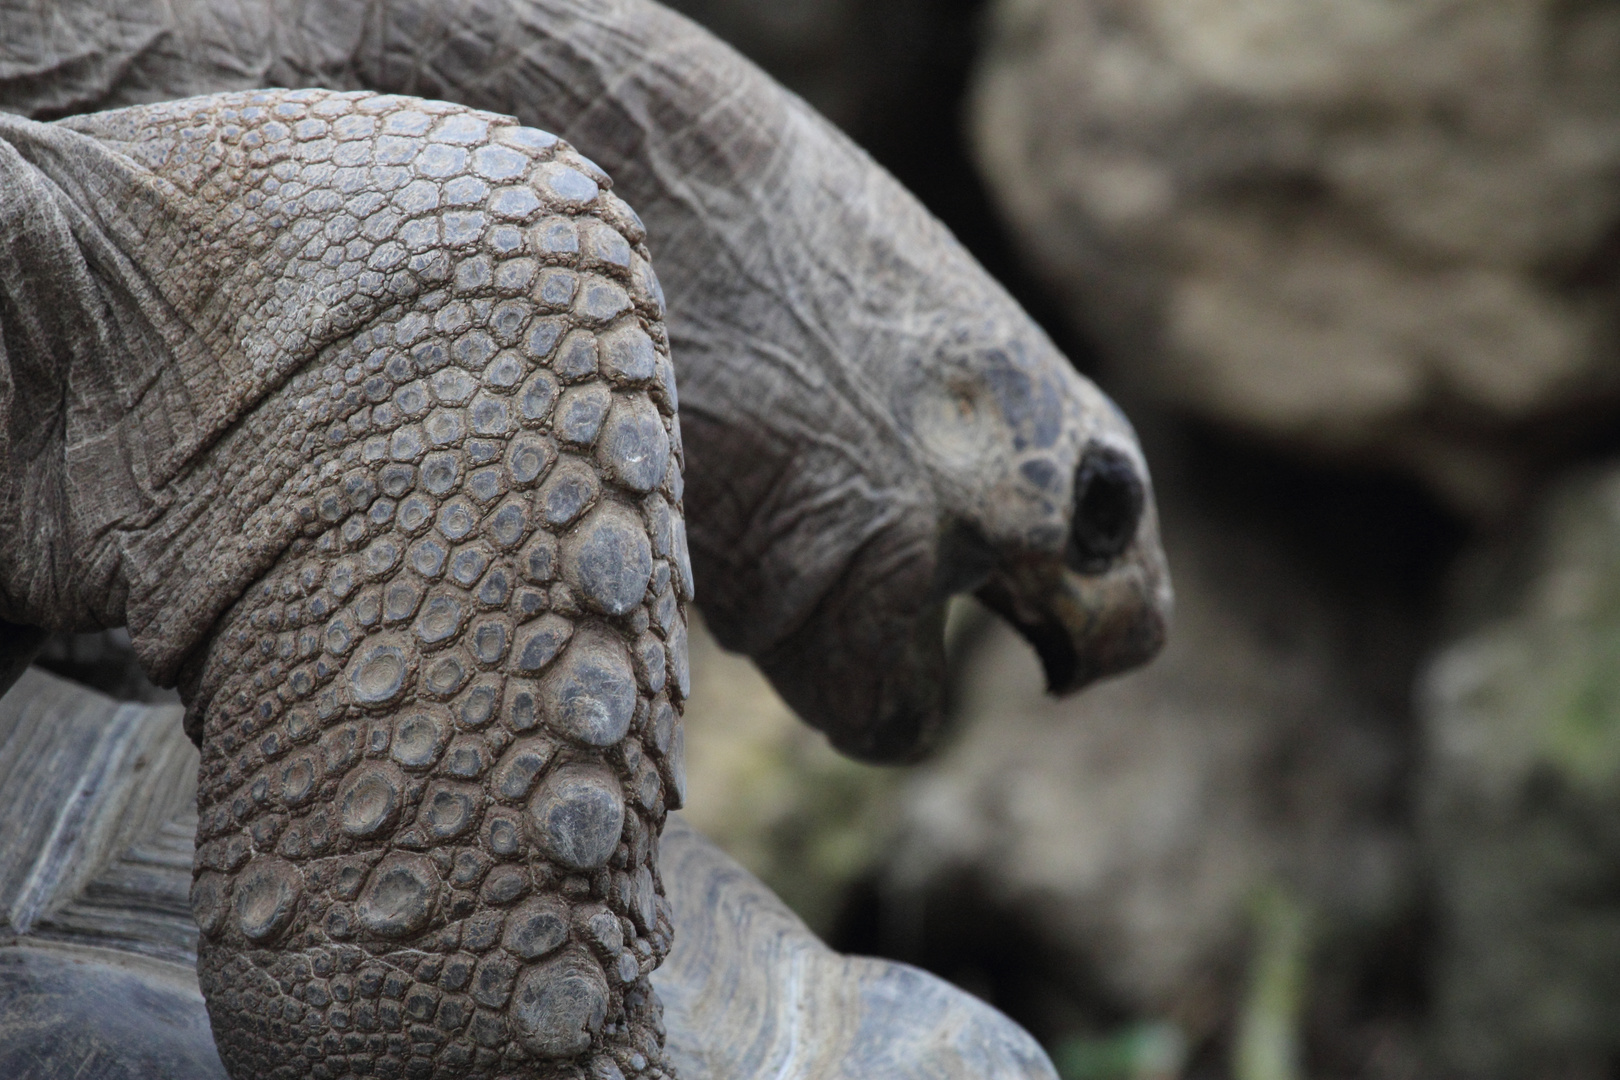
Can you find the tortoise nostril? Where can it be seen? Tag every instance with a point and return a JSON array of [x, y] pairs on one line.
[[1108, 500]]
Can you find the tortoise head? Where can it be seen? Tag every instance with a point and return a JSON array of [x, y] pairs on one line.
[[1037, 501]]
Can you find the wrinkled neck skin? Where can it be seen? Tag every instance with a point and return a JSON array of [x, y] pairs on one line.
[[871, 423]]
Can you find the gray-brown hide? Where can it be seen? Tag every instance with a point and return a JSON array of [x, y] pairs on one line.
[[359, 410], [871, 423]]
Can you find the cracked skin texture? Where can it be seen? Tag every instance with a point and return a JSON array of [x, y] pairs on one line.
[[440, 728]]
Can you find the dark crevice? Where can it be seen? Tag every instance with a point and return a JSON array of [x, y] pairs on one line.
[[1108, 502], [958, 930]]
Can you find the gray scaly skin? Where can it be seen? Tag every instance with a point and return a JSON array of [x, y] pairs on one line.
[[872, 424], [412, 547]]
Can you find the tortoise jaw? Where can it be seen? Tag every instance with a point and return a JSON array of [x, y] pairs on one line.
[[1084, 627], [1103, 607], [876, 687]]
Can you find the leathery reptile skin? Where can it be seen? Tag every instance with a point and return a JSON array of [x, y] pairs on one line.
[[441, 734]]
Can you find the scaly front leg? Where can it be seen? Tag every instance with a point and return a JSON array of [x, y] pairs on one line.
[[441, 732]]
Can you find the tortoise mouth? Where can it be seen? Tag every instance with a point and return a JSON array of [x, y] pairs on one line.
[[876, 690], [1082, 627], [869, 666], [1060, 660], [1103, 608]]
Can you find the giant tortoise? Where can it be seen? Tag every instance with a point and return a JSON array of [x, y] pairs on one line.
[[359, 409]]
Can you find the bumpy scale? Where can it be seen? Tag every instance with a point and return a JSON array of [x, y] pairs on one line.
[[441, 734]]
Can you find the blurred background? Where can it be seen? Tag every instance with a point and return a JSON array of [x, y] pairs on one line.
[[1353, 269]]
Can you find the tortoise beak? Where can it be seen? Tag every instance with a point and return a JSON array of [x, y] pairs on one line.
[[1104, 606], [1085, 626]]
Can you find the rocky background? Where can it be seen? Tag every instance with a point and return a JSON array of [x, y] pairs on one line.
[[1354, 270]]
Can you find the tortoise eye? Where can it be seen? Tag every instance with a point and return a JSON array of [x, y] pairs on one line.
[[1108, 501]]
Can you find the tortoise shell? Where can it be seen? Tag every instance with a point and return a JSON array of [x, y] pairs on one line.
[[98, 947]]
